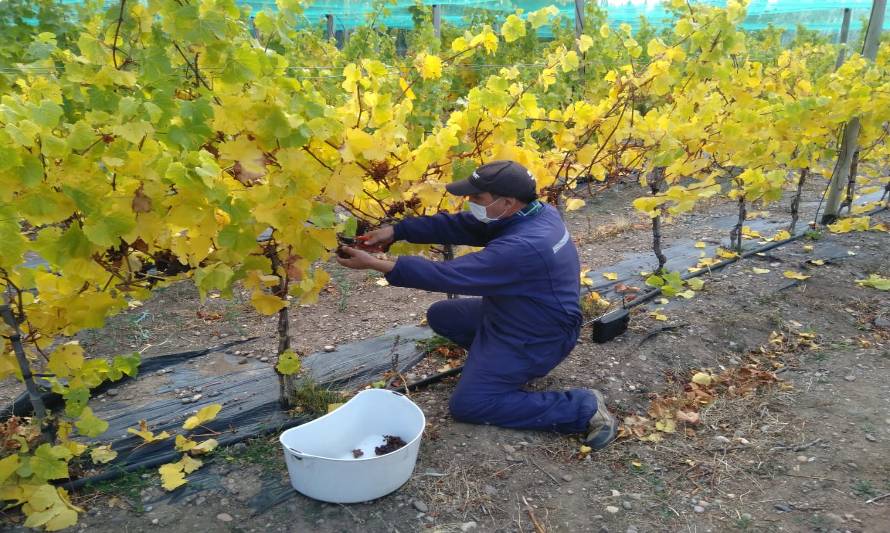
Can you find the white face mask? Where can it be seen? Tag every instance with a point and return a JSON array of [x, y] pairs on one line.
[[481, 211]]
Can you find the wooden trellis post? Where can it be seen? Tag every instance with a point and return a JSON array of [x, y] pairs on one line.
[[841, 175]]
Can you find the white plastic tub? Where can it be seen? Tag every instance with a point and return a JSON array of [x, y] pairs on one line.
[[319, 453]]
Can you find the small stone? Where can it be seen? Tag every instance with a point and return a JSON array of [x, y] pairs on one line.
[[154, 521], [567, 477], [698, 509], [882, 322], [837, 519], [626, 505], [467, 526], [631, 529], [224, 517], [612, 509], [722, 440], [264, 359], [420, 506], [111, 392], [871, 438], [196, 397], [747, 517], [490, 490], [615, 493], [851, 377], [802, 459], [782, 508], [186, 400], [148, 508], [329, 348], [514, 459], [509, 449], [242, 361]]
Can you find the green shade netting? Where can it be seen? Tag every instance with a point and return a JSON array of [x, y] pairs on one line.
[[821, 15]]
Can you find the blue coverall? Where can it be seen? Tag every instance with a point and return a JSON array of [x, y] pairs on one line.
[[526, 321]]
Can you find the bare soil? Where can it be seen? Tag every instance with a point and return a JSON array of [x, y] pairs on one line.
[[806, 455]]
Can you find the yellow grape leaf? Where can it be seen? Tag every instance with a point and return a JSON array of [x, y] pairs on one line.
[[48, 507], [807, 247], [266, 303], [102, 454], [658, 316], [584, 450], [334, 406], [817, 262], [700, 244], [147, 435], [585, 279], [760, 270], [539, 18], [668, 425], [790, 274], [610, 275], [381, 282], [513, 28], [846, 225], [172, 476], [702, 378], [431, 67], [779, 236], [185, 444], [204, 415], [750, 233], [876, 282], [687, 294], [573, 204], [662, 301], [695, 284], [649, 204], [726, 254], [190, 464]]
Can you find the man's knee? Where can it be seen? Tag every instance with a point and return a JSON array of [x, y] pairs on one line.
[[437, 317]]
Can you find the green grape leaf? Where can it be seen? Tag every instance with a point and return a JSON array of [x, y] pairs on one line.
[[76, 400], [124, 364], [288, 363], [89, 424]]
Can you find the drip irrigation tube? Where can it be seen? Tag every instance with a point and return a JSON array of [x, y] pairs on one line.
[[649, 295]]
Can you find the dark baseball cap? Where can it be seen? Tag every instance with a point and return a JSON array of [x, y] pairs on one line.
[[503, 178]]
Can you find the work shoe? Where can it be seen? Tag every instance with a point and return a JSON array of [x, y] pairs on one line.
[[603, 427]]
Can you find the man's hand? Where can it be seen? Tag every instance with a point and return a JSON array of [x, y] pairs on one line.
[[361, 260], [379, 239]]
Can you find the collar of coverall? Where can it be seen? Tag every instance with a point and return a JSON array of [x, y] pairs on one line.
[[533, 207]]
